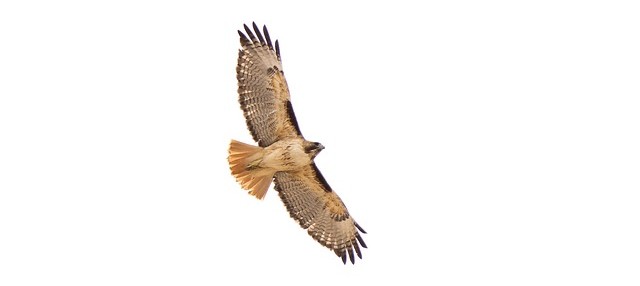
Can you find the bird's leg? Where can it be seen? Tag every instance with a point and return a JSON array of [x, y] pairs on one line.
[[254, 164]]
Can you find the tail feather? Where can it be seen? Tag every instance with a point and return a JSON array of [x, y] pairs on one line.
[[255, 180]]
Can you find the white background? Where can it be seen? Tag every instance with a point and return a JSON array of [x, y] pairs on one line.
[[478, 142]]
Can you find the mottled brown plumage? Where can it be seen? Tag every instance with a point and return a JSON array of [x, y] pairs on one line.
[[284, 154]]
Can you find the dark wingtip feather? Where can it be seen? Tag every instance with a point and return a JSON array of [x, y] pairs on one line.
[[243, 38], [257, 30], [350, 251], [344, 258], [361, 241], [360, 228], [357, 248], [266, 35], [277, 49], [249, 33]]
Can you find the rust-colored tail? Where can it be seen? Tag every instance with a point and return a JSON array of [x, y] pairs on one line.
[[244, 160]]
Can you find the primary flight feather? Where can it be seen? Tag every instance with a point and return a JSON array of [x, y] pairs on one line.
[[283, 154]]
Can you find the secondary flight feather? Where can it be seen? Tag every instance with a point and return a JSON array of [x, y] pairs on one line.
[[283, 155]]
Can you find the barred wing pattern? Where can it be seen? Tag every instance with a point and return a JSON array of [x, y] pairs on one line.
[[264, 94], [312, 203]]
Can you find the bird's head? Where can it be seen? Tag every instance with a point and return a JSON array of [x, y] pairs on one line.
[[313, 148]]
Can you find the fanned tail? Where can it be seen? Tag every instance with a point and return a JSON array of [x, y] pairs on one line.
[[244, 160]]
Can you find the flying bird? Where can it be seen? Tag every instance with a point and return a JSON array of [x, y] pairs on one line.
[[283, 155]]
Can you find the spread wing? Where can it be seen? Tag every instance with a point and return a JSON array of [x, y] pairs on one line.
[[264, 95], [317, 208]]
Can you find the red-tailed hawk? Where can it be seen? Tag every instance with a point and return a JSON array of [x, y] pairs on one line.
[[283, 153]]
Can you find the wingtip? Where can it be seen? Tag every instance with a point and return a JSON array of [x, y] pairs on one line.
[[267, 37], [361, 241], [249, 33], [243, 38], [358, 252], [258, 34], [350, 251]]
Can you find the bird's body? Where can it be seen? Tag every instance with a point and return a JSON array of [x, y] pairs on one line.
[[288, 155], [250, 163], [283, 154]]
